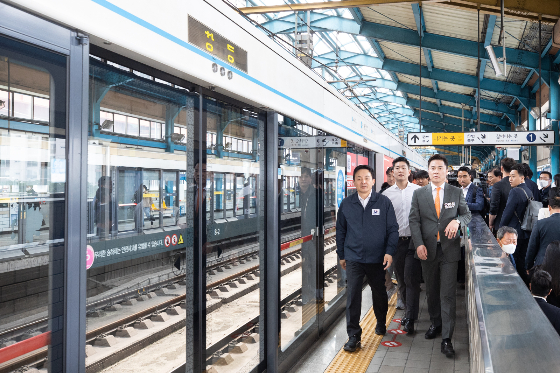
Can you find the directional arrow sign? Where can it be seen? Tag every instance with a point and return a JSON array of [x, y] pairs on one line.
[[481, 138]]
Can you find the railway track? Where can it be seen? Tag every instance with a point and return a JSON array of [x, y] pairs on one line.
[[174, 306]]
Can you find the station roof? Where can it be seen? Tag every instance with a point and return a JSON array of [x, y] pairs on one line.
[[379, 52]]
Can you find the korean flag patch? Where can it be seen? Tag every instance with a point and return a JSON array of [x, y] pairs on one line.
[[375, 211]]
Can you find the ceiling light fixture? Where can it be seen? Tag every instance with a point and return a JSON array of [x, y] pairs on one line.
[[494, 60]]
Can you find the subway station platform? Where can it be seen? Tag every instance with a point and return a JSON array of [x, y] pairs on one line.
[[410, 354]]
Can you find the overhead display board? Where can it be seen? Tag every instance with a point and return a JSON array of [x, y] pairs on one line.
[[481, 138], [311, 142], [208, 40]]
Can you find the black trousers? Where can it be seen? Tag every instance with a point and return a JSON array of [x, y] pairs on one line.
[[408, 270], [519, 256], [375, 275]]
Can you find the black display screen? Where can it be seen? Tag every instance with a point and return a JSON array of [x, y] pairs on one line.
[[208, 40]]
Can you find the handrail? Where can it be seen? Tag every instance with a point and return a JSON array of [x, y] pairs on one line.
[[508, 332]]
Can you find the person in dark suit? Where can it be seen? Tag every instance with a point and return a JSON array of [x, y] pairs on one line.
[[500, 192], [436, 214], [550, 264], [533, 187], [544, 232], [545, 182], [541, 286], [367, 233], [513, 215], [473, 194]]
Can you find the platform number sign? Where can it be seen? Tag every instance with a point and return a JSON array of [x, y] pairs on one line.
[[211, 42]]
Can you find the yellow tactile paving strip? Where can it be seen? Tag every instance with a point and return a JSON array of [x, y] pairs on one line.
[[358, 361]]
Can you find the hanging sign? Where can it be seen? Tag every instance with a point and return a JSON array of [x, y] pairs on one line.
[[481, 138]]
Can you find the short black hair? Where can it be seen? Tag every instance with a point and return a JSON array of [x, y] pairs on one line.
[[507, 164], [307, 171], [519, 168], [528, 171], [554, 198], [547, 173], [438, 157], [422, 174], [401, 159], [541, 283], [464, 169], [364, 167], [389, 170], [497, 172]]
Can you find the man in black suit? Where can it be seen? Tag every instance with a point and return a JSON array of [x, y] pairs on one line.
[[545, 182], [533, 187], [544, 232], [500, 192], [513, 215], [541, 286]]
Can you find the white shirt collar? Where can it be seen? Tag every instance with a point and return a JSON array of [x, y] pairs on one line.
[[468, 186], [365, 199], [435, 187], [536, 296]]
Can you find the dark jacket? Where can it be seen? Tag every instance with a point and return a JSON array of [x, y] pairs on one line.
[[545, 193], [475, 198], [515, 209], [544, 232], [366, 235], [551, 312], [534, 188], [498, 200]]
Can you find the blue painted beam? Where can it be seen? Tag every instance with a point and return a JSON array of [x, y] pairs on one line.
[[466, 80], [435, 85], [429, 59], [454, 97], [419, 19], [556, 58], [461, 47], [537, 85], [489, 30], [456, 112], [528, 78], [546, 49]]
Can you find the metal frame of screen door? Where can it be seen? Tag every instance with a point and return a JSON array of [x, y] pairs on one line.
[[19, 25]]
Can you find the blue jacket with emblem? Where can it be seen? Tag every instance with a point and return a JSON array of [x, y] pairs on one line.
[[366, 235]]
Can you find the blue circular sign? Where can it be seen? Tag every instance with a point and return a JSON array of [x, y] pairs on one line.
[[339, 187], [531, 137]]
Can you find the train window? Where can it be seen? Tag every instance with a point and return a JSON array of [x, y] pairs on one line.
[[23, 106], [4, 103], [156, 130], [120, 124]]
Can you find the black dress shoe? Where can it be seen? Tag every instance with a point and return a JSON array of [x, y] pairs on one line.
[[433, 332], [408, 326], [403, 320], [447, 348], [380, 329], [353, 343]]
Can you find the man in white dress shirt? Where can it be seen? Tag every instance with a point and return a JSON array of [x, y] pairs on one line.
[[406, 266]]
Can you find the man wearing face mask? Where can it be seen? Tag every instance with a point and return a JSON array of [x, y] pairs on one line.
[[544, 232], [544, 182], [507, 238]]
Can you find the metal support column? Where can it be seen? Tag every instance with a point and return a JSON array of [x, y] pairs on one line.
[[555, 117], [272, 257], [532, 126]]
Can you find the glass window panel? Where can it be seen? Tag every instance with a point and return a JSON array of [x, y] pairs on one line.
[[41, 109], [144, 128], [235, 234], [141, 217], [120, 124], [32, 225], [156, 130], [105, 116], [133, 126], [23, 106], [4, 105]]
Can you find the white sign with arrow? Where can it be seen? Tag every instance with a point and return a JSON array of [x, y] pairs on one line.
[[481, 138]]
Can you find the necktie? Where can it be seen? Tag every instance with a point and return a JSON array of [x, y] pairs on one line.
[[438, 207]]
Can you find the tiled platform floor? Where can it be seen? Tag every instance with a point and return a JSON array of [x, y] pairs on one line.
[[416, 355]]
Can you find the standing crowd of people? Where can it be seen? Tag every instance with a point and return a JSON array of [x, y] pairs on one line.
[[412, 228]]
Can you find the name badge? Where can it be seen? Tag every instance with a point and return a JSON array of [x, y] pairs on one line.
[[449, 205], [375, 211]]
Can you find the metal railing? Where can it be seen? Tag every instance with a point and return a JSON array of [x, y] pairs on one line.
[[508, 332]]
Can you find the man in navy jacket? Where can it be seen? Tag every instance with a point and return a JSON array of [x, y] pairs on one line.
[[544, 232], [367, 233], [514, 213]]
